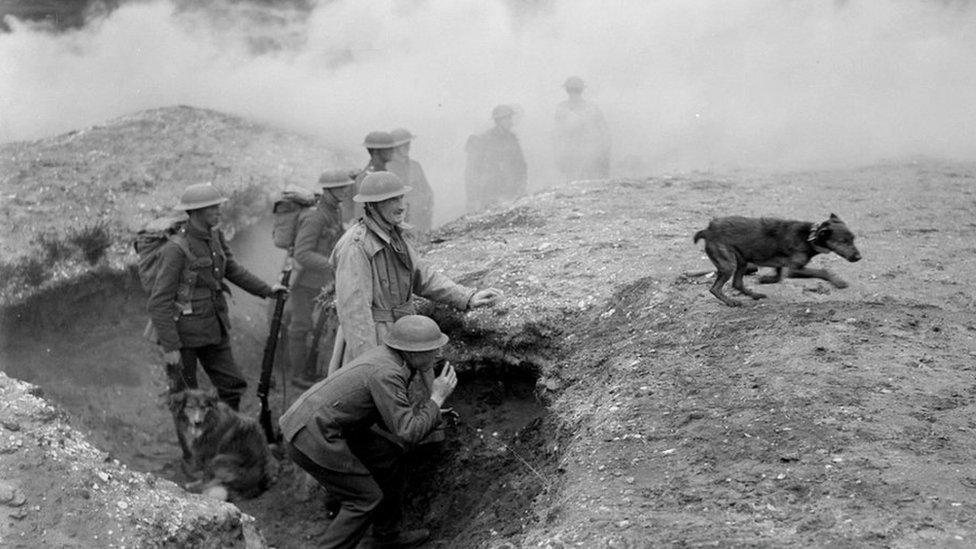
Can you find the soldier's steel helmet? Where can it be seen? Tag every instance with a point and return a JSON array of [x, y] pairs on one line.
[[401, 136], [574, 83], [331, 179], [200, 195], [415, 333], [380, 186], [378, 140], [502, 111]]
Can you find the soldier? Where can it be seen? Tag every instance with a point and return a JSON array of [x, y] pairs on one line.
[[420, 201], [380, 146], [496, 167], [187, 304], [377, 273], [350, 431], [319, 229], [582, 141]]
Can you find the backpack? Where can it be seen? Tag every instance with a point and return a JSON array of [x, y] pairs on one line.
[[149, 245], [287, 209]]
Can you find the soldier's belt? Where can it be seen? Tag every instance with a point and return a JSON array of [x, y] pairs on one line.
[[394, 314]]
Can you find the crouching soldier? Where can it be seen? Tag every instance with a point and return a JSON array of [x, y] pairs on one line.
[[187, 304], [350, 431]]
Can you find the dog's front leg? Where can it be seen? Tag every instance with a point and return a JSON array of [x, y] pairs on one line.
[[822, 274]]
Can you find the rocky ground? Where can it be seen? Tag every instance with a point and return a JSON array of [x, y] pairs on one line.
[[816, 417], [609, 400]]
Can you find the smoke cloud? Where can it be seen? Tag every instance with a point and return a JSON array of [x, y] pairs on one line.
[[684, 85]]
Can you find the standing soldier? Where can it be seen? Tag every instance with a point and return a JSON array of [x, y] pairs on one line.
[[420, 201], [378, 272], [380, 146], [496, 167], [319, 228], [582, 140], [187, 304]]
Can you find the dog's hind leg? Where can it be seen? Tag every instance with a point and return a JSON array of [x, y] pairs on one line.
[[724, 260], [823, 274], [740, 271]]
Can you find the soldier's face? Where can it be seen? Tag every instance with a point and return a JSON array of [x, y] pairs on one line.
[[209, 216], [421, 360], [403, 151], [391, 210], [343, 194]]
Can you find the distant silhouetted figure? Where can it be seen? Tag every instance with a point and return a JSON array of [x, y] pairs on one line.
[[419, 201], [582, 141], [496, 169]]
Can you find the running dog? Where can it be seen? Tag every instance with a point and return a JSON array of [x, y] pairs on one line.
[[229, 457], [733, 243]]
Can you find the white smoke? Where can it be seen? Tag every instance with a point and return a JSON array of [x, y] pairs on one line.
[[685, 85]]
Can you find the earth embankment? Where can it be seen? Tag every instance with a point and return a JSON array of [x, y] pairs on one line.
[[610, 400]]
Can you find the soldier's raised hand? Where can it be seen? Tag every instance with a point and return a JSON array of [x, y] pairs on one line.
[[443, 385]]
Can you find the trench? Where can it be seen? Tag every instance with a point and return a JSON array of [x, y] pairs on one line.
[[82, 344]]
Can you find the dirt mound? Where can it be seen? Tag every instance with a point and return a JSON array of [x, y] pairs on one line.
[[610, 400], [132, 169], [56, 489]]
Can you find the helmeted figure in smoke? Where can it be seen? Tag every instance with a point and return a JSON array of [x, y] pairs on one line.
[[496, 168], [581, 138]]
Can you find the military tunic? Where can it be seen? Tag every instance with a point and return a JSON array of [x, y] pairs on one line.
[[375, 287]]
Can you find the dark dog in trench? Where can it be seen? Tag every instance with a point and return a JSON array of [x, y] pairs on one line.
[[229, 456], [734, 243]]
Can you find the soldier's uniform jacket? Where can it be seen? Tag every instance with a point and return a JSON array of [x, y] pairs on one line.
[[495, 168], [206, 321], [375, 285], [319, 229], [371, 390], [420, 200]]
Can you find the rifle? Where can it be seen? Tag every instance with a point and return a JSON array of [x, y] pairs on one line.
[[327, 300], [267, 363]]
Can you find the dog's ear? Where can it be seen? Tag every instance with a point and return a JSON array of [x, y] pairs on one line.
[[177, 401], [823, 232], [834, 218]]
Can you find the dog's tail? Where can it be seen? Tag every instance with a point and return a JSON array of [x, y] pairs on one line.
[[700, 235]]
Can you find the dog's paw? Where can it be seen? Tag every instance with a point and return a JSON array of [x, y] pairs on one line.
[[757, 295], [768, 279], [838, 283]]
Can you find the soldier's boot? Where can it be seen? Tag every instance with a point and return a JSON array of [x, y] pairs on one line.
[[301, 375]]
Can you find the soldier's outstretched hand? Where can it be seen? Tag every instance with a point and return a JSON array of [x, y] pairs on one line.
[[485, 298]]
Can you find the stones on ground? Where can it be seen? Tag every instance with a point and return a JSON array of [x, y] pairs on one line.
[[10, 495]]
